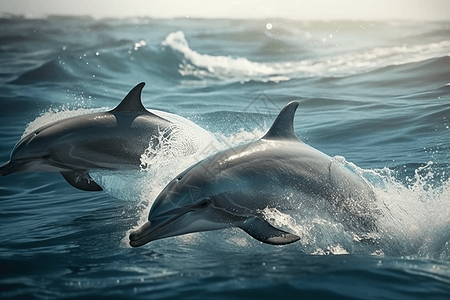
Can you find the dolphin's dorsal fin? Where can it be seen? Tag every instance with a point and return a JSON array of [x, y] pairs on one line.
[[283, 127], [132, 101]]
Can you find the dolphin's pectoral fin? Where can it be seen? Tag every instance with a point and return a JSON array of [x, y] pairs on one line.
[[266, 233], [81, 180]]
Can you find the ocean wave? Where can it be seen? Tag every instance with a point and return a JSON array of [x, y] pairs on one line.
[[105, 56], [227, 68], [218, 67], [50, 71]]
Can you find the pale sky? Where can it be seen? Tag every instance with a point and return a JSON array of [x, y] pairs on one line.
[[292, 9]]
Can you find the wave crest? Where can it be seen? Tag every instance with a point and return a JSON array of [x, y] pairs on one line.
[[239, 69]]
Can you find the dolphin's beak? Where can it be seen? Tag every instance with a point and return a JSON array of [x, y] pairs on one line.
[[37, 164], [137, 237], [159, 228], [179, 221], [12, 167], [4, 170]]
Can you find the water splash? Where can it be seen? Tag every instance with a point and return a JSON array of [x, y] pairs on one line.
[[415, 211], [412, 218]]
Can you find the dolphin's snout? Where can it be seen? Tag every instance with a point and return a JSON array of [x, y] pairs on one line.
[[21, 165], [140, 233], [146, 233], [159, 228], [7, 168], [4, 170]]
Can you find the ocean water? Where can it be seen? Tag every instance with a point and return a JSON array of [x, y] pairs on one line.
[[373, 95]]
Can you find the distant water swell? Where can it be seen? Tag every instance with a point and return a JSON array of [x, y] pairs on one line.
[[174, 58]]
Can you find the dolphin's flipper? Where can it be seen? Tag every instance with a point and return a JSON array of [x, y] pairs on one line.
[[283, 126], [266, 233], [81, 180]]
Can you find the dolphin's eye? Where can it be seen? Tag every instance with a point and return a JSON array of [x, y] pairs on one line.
[[204, 203], [179, 178]]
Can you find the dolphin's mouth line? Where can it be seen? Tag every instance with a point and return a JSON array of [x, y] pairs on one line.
[[141, 237], [23, 165]]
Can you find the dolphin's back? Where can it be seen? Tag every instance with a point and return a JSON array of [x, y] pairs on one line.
[[266, 169]]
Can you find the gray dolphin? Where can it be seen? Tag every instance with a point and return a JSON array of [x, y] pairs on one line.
[[233, 187], [114, 139]]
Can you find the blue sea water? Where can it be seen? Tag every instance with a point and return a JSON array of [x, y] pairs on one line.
[[373, 95]]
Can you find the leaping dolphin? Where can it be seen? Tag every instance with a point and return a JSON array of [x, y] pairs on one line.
[[233, 187], [114, 139]]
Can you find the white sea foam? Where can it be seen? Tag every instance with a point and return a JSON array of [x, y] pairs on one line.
[[241, 69], [414, 215]]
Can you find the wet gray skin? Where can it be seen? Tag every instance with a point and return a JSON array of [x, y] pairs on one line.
[[110, 140], [233, 187]]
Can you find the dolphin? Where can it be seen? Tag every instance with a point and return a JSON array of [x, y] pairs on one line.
[[232, 189], [110, 140]]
